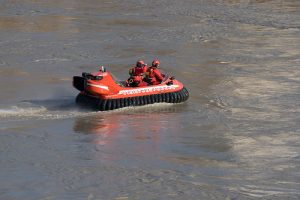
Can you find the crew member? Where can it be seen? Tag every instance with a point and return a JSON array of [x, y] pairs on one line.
[[153, 75], [137, 74]]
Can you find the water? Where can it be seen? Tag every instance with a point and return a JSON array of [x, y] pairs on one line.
[[237, 137]]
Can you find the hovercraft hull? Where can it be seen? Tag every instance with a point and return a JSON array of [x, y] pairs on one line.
[[97, 103]]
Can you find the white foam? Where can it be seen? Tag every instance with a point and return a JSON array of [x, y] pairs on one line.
[[26, 111], [145, 108], [40, 112], [19, 111]]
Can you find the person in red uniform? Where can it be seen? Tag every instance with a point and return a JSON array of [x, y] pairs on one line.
[[137, 74], [153, 75]]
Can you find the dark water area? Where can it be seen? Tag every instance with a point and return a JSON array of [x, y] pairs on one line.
[[237, 137]]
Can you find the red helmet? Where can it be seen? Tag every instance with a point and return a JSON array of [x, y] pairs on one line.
[[140, 63], [155, 63]]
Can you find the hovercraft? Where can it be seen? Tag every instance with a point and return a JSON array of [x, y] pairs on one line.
[[100, 91]]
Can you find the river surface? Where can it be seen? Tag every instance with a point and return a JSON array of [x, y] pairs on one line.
[[237, 137]]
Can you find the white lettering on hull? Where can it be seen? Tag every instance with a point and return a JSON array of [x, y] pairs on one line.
[[148, 90]]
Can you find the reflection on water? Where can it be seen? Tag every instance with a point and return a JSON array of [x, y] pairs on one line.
[[151, 121], [103, 127], [142, 135]]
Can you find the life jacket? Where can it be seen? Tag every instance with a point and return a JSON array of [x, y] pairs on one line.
[[136, 81], [153, 76], [136, 76], [137, 71]]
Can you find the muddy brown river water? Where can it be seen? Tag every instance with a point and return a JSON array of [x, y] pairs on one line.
[[237, 137]]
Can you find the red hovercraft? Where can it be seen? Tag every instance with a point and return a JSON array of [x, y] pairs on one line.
[[99, 90]]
